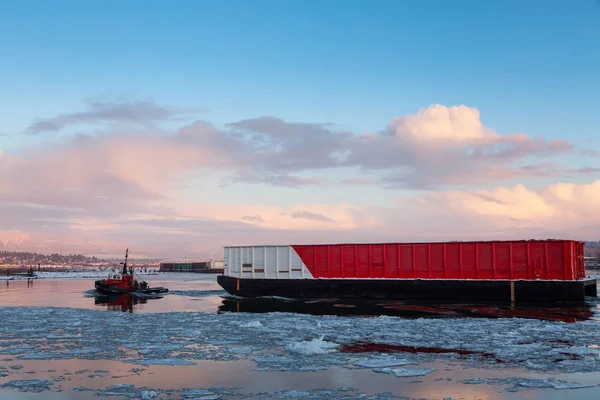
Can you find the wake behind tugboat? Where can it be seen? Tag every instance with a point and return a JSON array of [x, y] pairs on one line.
[[125, 282]]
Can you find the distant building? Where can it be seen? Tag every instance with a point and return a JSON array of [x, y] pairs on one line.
[[206, 266], [591, 262]]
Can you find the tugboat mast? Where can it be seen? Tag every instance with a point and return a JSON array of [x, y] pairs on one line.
[[125, 263]]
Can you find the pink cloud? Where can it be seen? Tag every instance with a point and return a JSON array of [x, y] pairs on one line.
[[558, 211], [357, 181], [562, 207], [437, 146], [253, 218], [311, 216], [127, 188], [589, 153]]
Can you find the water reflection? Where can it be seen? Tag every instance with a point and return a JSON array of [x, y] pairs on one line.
[[367, 347], [97, 376], [366, 308], [30, 282], [191, 293], [253, 384], [123, 302], [186, 293]]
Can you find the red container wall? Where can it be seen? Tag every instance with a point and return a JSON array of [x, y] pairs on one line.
[[534, 259]]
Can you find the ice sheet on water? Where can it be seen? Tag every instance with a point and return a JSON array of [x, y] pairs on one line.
[[148, 395], [88, 350], [382, 362], [167, 361], [196, 293], [294, 342], [312, 368], [253, 324], [273, 359], [41, 356], [324, 394], [240, 350], [221, 342], [293, 393], [474, 381], [403, 372], [583, 350], [526, 383], [82, 389], [200, 394], [28, 385], [121, 386]]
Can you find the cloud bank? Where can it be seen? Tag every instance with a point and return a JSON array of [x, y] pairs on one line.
[[142, 112], [130, 183]]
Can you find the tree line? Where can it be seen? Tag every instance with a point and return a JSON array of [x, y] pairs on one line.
[[17, 257]]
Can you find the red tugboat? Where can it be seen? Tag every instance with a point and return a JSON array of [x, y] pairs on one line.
[[125, 282]]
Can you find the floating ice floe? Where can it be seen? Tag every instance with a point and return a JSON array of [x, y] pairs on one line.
[[196, 293], [403, 372], [199, 394], [380, 362], [28, 385], [253, 324], [525, 383], [167, 361], [314, 346], [148, 395], [293, 342]]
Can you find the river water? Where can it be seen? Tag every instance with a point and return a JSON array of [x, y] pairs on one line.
[[60, 340]]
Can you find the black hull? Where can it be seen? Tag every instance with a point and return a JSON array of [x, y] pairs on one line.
[[200, 271], [111, 290], [417, 289]]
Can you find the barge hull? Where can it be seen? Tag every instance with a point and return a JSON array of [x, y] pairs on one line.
[[522, 291]]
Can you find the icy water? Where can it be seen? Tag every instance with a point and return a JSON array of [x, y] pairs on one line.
[[58, 340], [187, 292]]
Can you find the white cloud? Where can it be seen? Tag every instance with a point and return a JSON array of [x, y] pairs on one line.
[[98, 193]]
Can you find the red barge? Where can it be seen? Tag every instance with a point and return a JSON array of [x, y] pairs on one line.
[[518, 270]]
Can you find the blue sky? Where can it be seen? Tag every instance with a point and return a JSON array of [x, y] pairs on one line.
[[528, 66]]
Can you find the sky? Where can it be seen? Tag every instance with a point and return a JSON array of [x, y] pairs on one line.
[[177, 128]]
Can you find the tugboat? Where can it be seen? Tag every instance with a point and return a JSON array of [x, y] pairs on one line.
[[125, 282]]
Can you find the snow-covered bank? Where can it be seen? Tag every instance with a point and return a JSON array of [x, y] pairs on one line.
[[91, 274]]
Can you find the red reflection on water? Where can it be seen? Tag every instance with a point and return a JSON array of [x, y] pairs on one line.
[[123, 302], [362, 347], [542, 314], [424, 309]]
